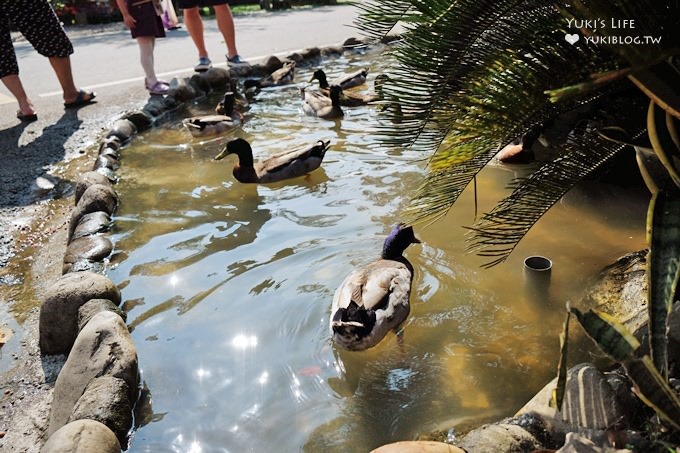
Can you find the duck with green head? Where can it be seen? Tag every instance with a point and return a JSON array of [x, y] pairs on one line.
[[374, 299], [286, 165]]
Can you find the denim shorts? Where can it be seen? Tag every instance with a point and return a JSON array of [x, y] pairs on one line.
[[184, 4]]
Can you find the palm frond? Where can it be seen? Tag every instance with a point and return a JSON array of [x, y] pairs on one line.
[[498, 232]]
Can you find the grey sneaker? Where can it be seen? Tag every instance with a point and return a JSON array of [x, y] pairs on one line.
[[203, 65], [235, 60]]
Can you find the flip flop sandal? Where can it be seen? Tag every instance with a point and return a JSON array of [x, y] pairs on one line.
[[27, 118], [83, 98]]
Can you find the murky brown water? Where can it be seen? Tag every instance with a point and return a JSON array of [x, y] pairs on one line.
[[229, 286]]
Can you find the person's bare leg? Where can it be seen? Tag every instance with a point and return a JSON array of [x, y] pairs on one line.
[[14, 85], [225, 22], [146, 45], [62, 67], [194, 24]]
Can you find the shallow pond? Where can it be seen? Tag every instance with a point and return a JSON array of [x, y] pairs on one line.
[[228, 289]]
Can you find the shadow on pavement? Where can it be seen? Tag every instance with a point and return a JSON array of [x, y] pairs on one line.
[[28, 154]]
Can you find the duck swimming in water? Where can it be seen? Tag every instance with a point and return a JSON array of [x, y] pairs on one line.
[[201, 126], [285, 165], [374, 299], [346, 99], [281, 76], [316, 104], [346, 81]]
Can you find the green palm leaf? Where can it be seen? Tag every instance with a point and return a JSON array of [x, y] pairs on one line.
[[497, 233]]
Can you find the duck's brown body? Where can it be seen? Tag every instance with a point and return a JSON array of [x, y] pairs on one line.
[[316, 104], [285, 165]]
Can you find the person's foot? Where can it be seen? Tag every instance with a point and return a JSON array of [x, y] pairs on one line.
[[27, 112], [235, 60], [158, 87], [203, 65], [81, 99], [27, 117]]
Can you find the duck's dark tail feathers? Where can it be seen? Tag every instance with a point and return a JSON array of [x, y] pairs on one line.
[[355, 317]]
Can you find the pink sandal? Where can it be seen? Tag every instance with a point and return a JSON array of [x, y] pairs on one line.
[[160, 87]]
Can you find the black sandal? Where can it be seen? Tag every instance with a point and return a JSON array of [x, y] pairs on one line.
[[83, 98], [27, 117]]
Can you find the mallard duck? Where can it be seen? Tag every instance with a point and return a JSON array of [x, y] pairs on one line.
[[201, 126], [285, 165], [374, 299], [346, 99], [316, 104], [346, 81], [281, 76]]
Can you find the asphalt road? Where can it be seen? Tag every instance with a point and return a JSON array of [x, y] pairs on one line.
[[108, 61]]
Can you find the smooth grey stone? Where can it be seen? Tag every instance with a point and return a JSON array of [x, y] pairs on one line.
[[140, 119], [59, 310], [123, 129], [106, 400], [82, 436], [88, 179], [94, 306], [103, 348], [92, 248], [91, 224], [97, 197]]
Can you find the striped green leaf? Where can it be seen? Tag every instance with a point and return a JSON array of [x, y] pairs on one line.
[[663, 269]]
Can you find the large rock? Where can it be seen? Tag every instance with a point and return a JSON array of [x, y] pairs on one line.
[[59, 311], [621, 290], [420, 446], [589, 401], [215, 79], [97, 197], [91, 224], [499, 437], [91, 248], [88, 179], [106, 400], [122, 129], [82, 436], [103, 348], [94, 306]]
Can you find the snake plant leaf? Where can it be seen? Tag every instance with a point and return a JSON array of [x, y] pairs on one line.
[[653, 390], [662, 141], [659, 83], [609, 335], [663, 269], [557, 396]]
